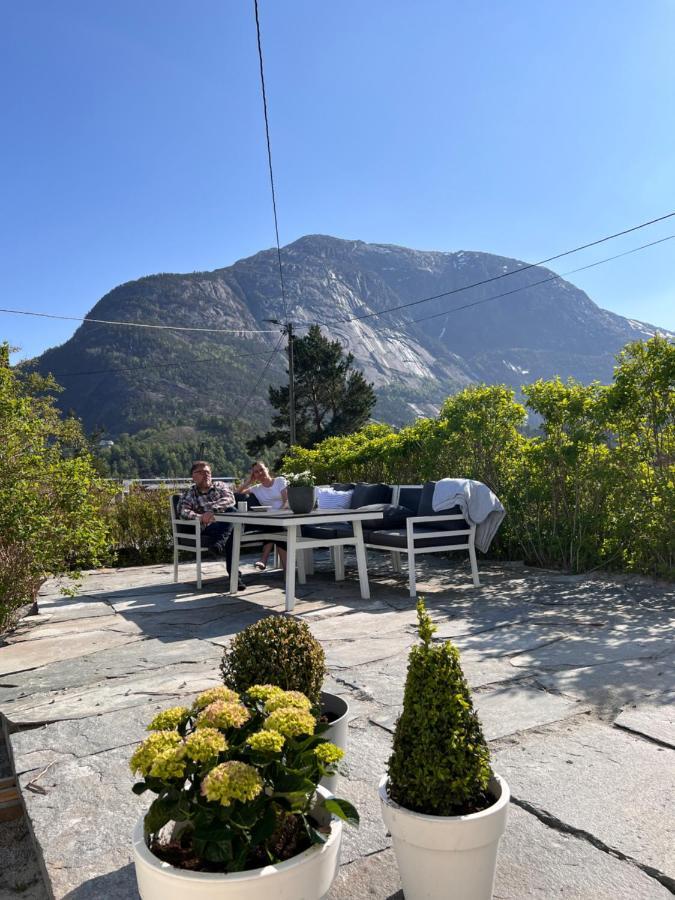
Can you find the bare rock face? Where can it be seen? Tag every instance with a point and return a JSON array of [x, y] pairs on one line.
[[512, 327]]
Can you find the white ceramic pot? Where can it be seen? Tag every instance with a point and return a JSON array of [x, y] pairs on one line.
[[337, 732], [307, 876], [447, 856]]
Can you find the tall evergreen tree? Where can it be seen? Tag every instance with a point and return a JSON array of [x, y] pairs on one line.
[[331, 396]]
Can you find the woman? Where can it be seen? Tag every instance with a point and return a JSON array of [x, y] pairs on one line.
[[267, 491]]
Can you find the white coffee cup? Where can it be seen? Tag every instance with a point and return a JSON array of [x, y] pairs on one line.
[[242, 506]]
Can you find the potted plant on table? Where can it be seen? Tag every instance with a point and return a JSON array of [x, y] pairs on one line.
[[443, 805], [238, 813], [300, 491], [281, 650]]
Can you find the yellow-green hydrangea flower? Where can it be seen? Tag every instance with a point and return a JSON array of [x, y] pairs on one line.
[[169, 718], [205, 743], [287, 698], [215, 694], [169, 764], [290, 721], [328, 753], [264, 691], [147, 752], [232, 781], [266, 741], [223, 714]]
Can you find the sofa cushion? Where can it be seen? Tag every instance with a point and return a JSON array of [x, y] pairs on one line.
[[426, 509], [409, 496], [367, 494], [327, 532], [329, 498], [343, 486], [392, 516], [397, 537]]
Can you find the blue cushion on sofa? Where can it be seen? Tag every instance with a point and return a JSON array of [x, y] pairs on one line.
[[426, 509], [367, 494], [392, 516]]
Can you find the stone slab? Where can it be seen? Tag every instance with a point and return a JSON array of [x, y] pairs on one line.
[[36, 748], [145, 603], [604, 646], [136, 657], [655, 720], [32, 654], [20, 876], [83, 824], [610, 686], [59, 627], [606, 782], [168, 683], [346, 654], [507, 710]]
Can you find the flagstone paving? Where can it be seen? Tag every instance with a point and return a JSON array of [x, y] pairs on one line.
[[573, 678]]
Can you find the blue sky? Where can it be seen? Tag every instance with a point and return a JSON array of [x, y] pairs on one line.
[[134, 140]]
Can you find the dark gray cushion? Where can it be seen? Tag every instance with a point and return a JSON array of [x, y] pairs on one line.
[[426, 509], [410, 497], [326, 532], [367, 494], [392, 516], [397, 537], [347, 486]]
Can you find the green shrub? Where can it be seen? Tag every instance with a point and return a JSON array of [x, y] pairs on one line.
[[17, 585], [440, 764], [140, 524], [276, 650]]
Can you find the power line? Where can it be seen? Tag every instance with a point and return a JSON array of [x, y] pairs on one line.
[[269, 158], [524, 268], [526, 287], [262, 375], [87, 320]]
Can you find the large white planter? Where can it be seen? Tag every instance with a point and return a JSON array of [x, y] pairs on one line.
[[307, 876], [447, 856], [337, 732]]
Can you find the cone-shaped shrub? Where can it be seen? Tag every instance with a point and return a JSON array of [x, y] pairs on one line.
[[276, 650], [440, 764]]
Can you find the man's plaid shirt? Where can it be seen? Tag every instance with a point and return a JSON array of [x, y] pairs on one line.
[[217, 499]]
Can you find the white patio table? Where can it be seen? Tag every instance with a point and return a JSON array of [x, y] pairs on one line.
[[295, 542]]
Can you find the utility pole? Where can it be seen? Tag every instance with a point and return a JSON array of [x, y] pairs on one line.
[[288, 331], [291, 384]]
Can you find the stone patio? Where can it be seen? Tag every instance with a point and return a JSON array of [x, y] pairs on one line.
[[573, 678]]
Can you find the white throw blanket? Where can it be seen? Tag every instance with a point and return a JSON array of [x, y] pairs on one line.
[[479, 506]]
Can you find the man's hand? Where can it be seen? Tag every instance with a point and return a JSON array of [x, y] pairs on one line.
[[207, 517]]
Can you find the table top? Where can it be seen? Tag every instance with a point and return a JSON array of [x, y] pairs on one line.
[[288, 516]]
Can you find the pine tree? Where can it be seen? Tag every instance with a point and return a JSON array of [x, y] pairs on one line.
[[331, 396]]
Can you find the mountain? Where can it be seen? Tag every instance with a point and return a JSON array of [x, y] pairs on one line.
[[126, 379]]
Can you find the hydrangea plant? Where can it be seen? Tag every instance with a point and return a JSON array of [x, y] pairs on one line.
[[440, 764], [300, 479], [237, 773]]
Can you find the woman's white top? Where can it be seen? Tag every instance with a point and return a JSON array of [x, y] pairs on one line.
[[271, 496]]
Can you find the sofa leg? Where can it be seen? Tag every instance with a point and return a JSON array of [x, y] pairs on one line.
[[412, 582], [339, 553], [474, 566]]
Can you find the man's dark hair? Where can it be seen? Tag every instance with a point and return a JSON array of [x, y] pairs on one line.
[[199, 464]]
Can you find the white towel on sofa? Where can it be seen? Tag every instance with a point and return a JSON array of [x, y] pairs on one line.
[[479, 506]]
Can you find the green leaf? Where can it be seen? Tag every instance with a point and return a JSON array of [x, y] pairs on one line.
[[343, 809], [140, 788], [161, 811]]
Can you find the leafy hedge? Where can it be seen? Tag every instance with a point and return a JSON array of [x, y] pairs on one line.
[[595, 487]]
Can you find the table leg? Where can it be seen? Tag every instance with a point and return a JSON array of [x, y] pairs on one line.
[[236, 547], [339, 555], [291, 546], [361, 561]]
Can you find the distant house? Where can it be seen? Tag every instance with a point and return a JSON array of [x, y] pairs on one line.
[[106, 443]]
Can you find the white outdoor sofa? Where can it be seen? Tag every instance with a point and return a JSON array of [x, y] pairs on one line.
[[423, 531]]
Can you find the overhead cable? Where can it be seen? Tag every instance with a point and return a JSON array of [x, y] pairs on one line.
[[506, 274], [262, 375]]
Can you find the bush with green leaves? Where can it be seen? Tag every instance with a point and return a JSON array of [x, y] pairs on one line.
[[440, 764], [51, 495], [237, 774], [140, 526], [276, 650]]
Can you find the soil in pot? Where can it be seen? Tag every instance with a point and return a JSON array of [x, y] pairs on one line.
[[289, 840]]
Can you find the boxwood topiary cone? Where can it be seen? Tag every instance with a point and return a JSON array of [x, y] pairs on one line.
[[440, 764], [276, 650]]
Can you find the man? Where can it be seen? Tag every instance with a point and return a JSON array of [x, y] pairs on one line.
[[202, 501]]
